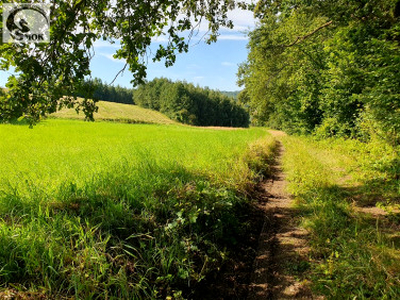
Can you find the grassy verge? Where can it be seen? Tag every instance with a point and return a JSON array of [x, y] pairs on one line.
[[342, 190], [104, 210]]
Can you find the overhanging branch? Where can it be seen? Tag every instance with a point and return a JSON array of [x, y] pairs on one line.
[[299, 39]]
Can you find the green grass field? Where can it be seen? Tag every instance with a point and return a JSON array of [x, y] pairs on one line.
[[109, 111], [347, 196], [111, 210]]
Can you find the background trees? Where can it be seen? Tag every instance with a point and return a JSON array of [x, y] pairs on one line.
[[189, 104], [99, 90], [326, 67]]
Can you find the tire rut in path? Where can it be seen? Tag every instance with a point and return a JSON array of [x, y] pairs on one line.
[[282, 247]]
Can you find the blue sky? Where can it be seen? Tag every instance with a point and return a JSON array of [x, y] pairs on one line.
[[212, 65]]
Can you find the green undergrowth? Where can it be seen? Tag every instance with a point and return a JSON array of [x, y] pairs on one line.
[[119, 211], [347, 193]]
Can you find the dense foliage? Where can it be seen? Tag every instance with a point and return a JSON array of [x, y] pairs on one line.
[[47, 72], [326, 67], [102, 91], [191, 105]]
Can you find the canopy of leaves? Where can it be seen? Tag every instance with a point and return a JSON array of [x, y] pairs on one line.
[[48, 72], [326, 67], [191, 105]]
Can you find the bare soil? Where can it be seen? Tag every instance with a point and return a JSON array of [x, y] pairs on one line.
[[282, 248], [271, 262]]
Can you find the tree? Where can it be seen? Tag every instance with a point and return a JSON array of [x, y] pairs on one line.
[[48, 73], [191, 104], [98, 90], [326, 67], [281, 81]]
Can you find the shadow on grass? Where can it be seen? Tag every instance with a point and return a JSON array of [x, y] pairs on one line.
[[150, 232], [16, 122], [383, 189], [357, 250]]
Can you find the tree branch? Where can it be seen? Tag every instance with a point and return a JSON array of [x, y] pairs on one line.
[[120, 71], [299, 39]]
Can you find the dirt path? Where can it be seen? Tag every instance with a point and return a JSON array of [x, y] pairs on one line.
[[282, 247]]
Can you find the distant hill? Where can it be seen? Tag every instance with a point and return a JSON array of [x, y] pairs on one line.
[[233, 95], [109, 111]]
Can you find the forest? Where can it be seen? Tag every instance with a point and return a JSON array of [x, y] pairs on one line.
[[180, 101], [189, 104], [99, 90], [328, 68]]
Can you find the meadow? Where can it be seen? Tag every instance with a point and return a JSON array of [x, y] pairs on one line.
[[347, 197], [110, 210], [126, 113], [113, 210]]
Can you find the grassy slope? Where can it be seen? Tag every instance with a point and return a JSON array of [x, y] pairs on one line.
[[355, 253], [119, 210], [119, 112]]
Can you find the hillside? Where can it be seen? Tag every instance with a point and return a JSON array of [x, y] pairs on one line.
[[109, 111]]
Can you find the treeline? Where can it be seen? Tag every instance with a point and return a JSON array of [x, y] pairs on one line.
[[189, 104], [326, 68], [233, 95], [96, 89]]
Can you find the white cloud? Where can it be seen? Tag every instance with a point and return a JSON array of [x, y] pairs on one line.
[[106, 44], [243, 20], [233, 37], [193, 67], [111, 57], [228, 64], [160, 39]]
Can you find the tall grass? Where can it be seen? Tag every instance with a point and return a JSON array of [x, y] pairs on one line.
[[106, 210], [355, 254]]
